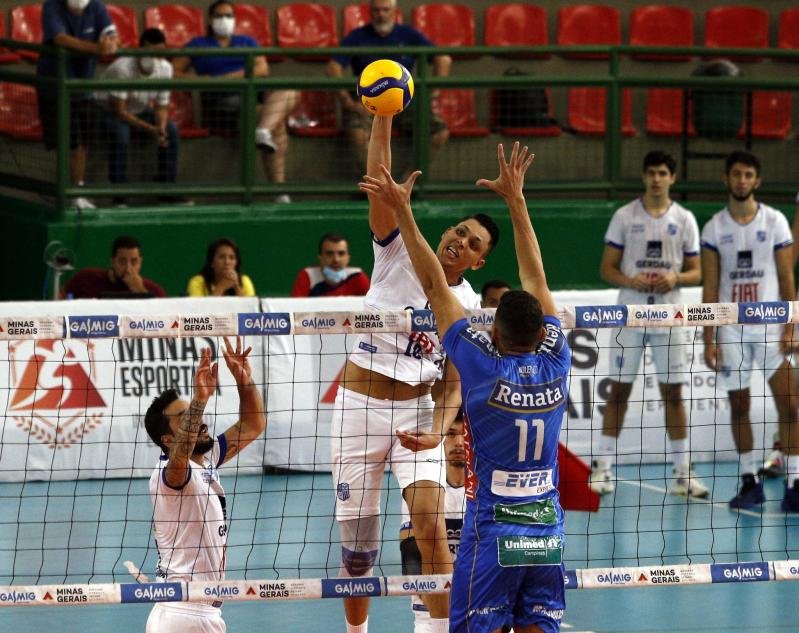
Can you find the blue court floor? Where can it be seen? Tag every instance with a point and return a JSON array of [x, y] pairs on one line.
[[281, 527]]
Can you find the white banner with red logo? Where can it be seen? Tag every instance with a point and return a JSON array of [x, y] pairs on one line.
[[74, 408]]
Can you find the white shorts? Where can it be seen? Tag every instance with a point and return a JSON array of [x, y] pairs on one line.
[[669, 352], [362, 443], [738, 358], [185, 618]]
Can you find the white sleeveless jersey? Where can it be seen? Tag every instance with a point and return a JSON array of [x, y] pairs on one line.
[[454, 507], [189, 524], [413, 358], [652, 245], [747, 266]]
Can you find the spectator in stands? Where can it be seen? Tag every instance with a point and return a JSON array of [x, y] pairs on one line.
[[140, 113], [81, 26], [492, 292], [333, 276], [221, 109], [383, 30], [123, 279], [221, 273]]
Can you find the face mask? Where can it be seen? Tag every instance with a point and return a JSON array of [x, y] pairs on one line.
[[147, 65], [334, 276], [223, 27], [77, 6]]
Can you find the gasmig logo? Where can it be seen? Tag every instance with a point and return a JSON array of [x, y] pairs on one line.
[[147, 325], [152, 592], [767, 312], [264, 323], [614, 578], [319, 323], [53, 398], [220, 591], [17, 596], [481, 319], [600, 316], [98, 326], [739, 572], [423, 321], [360, 587], [420, 586], [652, 315]]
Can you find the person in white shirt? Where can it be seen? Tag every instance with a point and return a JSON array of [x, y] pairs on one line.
[[651, 250], [189, 507], [141, 114], [747, 256]]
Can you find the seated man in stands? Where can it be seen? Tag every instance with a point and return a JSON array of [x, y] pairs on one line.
[[333, 276], [123, 279]]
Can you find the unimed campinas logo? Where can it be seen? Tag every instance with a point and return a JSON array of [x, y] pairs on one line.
[[53, 398]]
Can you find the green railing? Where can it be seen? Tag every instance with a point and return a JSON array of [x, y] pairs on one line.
[[615, 79]]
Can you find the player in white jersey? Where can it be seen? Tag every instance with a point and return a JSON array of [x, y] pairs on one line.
[[651, 250], [747, 257], [189, 516], [387, 388]]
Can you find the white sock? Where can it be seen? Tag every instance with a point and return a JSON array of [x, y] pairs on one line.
[[680, 456], [439, 625], [792, 466], [358, 628], [607, 451], [746, 463]]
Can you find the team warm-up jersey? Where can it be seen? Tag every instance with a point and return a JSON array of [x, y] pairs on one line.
[[513, 409], [189, 523], [747, 266], [413, 358], [652, 245]]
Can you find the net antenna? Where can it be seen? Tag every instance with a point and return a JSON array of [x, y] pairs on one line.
[[59, 258]]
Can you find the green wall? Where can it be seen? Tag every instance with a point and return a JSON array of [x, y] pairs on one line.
[[277, 240]]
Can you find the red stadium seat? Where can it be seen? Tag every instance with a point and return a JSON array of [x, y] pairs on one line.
[[6, 56], [583, 24], [788, 30], [445, 24], [664, 110], [737, 27], [771, 115], [306, 25], [516, 24], [315, 115], [19, 113], [124, 18], [181, 113], [586, 111], [26, 26], [253, 20], [458, 110], [661, 25], [515, 131], [180, 23], [357, 15]]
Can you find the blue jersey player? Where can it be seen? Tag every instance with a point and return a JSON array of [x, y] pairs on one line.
[[509, 570]]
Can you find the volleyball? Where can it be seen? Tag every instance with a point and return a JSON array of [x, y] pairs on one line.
[[385, 87]]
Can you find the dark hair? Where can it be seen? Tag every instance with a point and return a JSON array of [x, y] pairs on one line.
[[124, 241], [489, 225], [745, 158], [152, 37], [493, 284], [208, 271], [656, 158], [331, 236], [520, 319], [208, 30], [156, 423]]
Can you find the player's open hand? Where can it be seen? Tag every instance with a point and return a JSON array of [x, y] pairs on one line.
[[712, 356], [385, 189], [510, 181], [418, 441], [237, 362], [205, 377]]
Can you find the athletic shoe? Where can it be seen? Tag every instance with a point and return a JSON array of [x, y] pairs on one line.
[[774, 466], [750, 495], [601, 480], [688, 485], [790, 502], [283, 198], [264, 140], [82, 203]]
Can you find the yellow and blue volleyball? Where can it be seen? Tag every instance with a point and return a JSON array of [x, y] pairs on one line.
[[385, 87]]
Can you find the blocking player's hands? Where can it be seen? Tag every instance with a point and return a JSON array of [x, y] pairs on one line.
[[205, 377], [392, 194], [510, 182], [237, 361], [418, 440]]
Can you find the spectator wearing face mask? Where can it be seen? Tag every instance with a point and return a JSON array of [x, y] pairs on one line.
[[221, 110], [333, 276]]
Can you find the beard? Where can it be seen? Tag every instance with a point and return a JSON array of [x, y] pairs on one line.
[[383, 28], [742, 198], [201, 447]]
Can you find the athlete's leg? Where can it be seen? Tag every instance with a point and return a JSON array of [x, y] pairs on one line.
[[740, 403]]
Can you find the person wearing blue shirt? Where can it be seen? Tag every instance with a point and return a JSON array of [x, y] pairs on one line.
[[509, 570], [383, 30], [221, 109], [82, 26]]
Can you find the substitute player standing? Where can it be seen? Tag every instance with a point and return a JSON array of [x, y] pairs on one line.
[[651, 250], [189, 517], [747, 256], [509, 569], [387, 387]]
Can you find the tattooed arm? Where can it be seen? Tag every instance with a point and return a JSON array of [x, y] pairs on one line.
[[252, 419]]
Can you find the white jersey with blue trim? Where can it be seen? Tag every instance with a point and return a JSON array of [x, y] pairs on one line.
[[413, 358], [189, 523], [652, 245], [513, 410], [454, 506]]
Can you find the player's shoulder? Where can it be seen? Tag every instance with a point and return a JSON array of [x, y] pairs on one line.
[[629, 209]]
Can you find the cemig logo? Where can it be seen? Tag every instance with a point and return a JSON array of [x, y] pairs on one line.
[[53, 398]]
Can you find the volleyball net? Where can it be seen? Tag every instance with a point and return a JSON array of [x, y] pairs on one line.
[[74, 454]]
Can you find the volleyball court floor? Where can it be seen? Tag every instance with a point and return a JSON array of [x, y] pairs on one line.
[[77, 532]]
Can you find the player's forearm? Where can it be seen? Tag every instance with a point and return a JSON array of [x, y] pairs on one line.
[[251, 407], [615, 277], [425, 263], [528, 252], [446, 409], [379, 152], [691, 277], [187, 432]]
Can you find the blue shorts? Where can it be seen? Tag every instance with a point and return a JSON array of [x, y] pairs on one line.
[[486, 596]]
